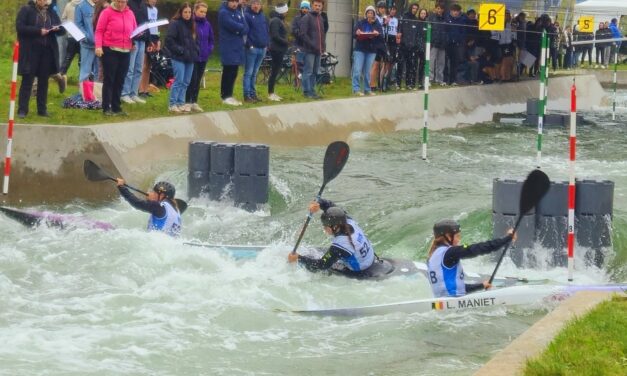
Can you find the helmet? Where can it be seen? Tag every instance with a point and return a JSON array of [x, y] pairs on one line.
[[166, 188], [381, 4], [446, 226], [333, 216]]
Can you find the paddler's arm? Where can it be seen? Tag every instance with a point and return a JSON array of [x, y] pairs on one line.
[[472, 287], [458, 252], [152, 207], [325, 262]]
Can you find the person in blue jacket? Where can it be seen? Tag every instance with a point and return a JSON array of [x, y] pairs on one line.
[[446, 273], [165, 215], [233, 30], [349, 246], [256, 45]]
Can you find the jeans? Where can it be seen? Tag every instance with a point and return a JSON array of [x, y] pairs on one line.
[[89, 66], [182, 76], [254, 57], [73, 48], [310, 73], [362, 63], [135, 67]]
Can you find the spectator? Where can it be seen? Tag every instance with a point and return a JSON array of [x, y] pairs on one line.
[[505, 40], [84, 19], [305, 7], [37, 26], [519, 23], [439, 41], [471, 63], [232, 32], [607, 45], [114, 44], [599, 35], [313, 38], [98, 8], [390, 31], [408, 31], [553, 35], [278, 46], [130, 90], [181, 46], [381, 54], [256, 45], [73, 47], [567, 42], [455, 50], [369, 39], [616, 34], [153, 46], [204, 42]]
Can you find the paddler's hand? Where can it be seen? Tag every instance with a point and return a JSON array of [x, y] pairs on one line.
[[314, 206], [120, 182], [513, 234], [487, 285], [292, 257]]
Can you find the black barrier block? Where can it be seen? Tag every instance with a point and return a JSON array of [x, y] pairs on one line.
[[532, 106], [221, 158], [552, 233], [525, 236], [198, 155], [250, 188], [594, 232], [197, 183], [553, 120], [219, 186], [594, 197], [555, 202], [531, 119], [251, 159], [506, 196]]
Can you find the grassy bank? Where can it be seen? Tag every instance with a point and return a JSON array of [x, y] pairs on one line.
[[595, 344]]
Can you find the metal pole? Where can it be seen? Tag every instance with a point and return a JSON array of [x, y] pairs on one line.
[[614, 81], [571, 181], [541, 98], [425, 116]]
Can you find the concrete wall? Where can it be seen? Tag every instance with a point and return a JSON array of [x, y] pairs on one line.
[[47, 160], [606, 76], [340, 35]]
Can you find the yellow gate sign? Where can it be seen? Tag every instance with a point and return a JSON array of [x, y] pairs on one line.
[[586, 24], [492, 17]]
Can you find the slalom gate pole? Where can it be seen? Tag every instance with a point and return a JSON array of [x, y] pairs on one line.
[[541, 98], [571, 181], [614, 83], [425, 115], [7, 159], [546, 74]]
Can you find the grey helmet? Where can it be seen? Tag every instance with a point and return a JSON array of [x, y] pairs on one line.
[[333, 216], [165, 188], [446, 226]]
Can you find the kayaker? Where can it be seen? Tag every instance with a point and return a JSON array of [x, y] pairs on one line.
[[446, 273], [350, 246], [164, 212]]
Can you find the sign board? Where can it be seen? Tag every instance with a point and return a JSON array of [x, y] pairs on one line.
[[492, 17], [586, 24]]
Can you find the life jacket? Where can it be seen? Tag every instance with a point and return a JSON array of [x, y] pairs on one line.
[[445, 281], [361, 255], [170, 223]]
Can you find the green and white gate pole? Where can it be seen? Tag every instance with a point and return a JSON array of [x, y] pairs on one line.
[[541, 97], [425, 114], [546, 73]]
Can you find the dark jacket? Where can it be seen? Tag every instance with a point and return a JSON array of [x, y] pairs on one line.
[[204, 39], [295, 30], [369, 45], [30, 38], [456, 29], [312, 33], [140, 10], [278, 33], [258, 36], [179, 43], [439, 38], [232, 28]]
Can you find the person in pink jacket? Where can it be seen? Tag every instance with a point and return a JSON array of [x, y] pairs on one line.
[[114, 44]]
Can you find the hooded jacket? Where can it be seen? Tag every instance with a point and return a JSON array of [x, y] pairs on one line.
[[278, 33], [114, 28], [204, 38], [258, 36], [312, 33], [232, 28], [30, 38]]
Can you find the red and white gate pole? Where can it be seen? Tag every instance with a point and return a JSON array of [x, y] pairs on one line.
[[571, 181], [7, 160]]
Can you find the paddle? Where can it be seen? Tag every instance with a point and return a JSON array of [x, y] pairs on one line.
[[93, 172], [334, 160], [27, 219], [534, 188]]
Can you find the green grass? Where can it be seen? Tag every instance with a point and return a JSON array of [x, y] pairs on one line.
[[594, 345]]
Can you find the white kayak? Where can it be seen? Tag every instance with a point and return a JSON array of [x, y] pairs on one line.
[[507, 296]]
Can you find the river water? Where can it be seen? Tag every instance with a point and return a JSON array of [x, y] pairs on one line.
[[126, 302]]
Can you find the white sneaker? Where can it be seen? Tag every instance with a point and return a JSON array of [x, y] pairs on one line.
[[127, 99], [232, 101], [196, 108], [137, 99], [372, 93], [176, 109], [186, 107], [275, 98]]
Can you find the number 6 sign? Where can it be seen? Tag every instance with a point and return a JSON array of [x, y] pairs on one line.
[[492, 17]]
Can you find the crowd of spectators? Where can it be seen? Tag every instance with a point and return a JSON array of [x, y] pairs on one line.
[[388, 53]]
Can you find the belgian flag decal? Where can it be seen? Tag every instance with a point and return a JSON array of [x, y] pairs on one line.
[[438, 306]]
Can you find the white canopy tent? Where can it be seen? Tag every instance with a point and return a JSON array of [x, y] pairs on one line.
[[601, 10]]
